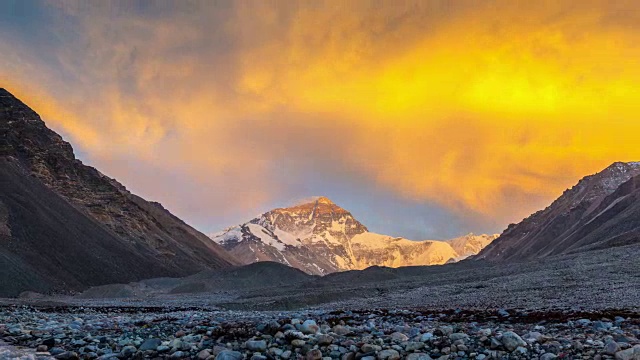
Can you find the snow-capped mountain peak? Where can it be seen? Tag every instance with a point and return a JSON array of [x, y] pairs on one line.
[[318, 236]]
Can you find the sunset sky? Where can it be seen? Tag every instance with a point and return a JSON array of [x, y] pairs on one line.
[[426, 119]]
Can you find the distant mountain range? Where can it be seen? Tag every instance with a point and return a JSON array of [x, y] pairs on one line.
[[319, 237], [66, 226], [602, 210]]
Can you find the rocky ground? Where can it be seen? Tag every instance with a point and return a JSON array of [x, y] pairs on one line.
[[136, 333], [581, 306]]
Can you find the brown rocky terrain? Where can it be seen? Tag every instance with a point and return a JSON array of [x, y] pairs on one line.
[[601, 211], [66, 226]]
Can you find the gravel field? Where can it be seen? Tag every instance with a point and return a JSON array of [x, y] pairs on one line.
[[136, 333], [582, 306]]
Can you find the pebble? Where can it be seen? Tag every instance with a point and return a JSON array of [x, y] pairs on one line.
[[324, 340], [512, 341], [229, 355], [372, 335], [611, 348], [389, 354], [256, 345], [309, 327], [314, 354], [150, 344]]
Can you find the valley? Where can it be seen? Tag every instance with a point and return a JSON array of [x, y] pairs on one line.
[[93, 271]]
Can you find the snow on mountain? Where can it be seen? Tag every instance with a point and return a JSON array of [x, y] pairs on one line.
[[471, 244], [370, 249], [319, 237]]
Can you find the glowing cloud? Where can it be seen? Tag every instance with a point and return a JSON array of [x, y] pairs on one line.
[[488, 108]]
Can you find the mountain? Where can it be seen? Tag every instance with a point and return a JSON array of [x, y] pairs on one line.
[[66, 226], [602, 210], [319, 237], [237, 278], [470, 244]]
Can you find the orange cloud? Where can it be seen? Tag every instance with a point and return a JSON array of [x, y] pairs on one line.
[[489, 107]]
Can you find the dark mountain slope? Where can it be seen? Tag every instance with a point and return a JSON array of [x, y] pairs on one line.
[[48, 244], [602, 210], [55, 208]]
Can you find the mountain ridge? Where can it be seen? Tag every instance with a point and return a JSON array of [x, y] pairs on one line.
[[320, 237], [568, 224], [35, 160]]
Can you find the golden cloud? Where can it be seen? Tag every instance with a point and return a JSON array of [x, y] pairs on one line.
[[491, 107]]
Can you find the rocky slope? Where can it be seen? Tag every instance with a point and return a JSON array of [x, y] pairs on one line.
[[319, 237], [602, 210], [66, 226]]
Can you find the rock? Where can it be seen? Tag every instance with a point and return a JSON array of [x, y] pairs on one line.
[[621, 339], [298, 343], [611, 348], [294, 334], [162, 348], [548, 356], [443, 331], [629, 354], [256, 345], [285, 355], [314, 354], [349, 356], [398, 336], [175, 344], [275, 351], [426, 337], [56, 351], [229, 355], [388, 355], [413, 346], [67, 355], [178, 355], [494, 343], [418, 356], [324, 340], [583, 322], [340, 330], [42, 348], [150, 344], [270, 327], [128, 351], [204, 354], [533, 336], [368, 348], [309, 327], [511, 340], [602, 325], [520, 350], [180, 334], [50, 342], [458, 336], [15, 330]]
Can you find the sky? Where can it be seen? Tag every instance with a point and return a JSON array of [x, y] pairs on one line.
[[427, 119]]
